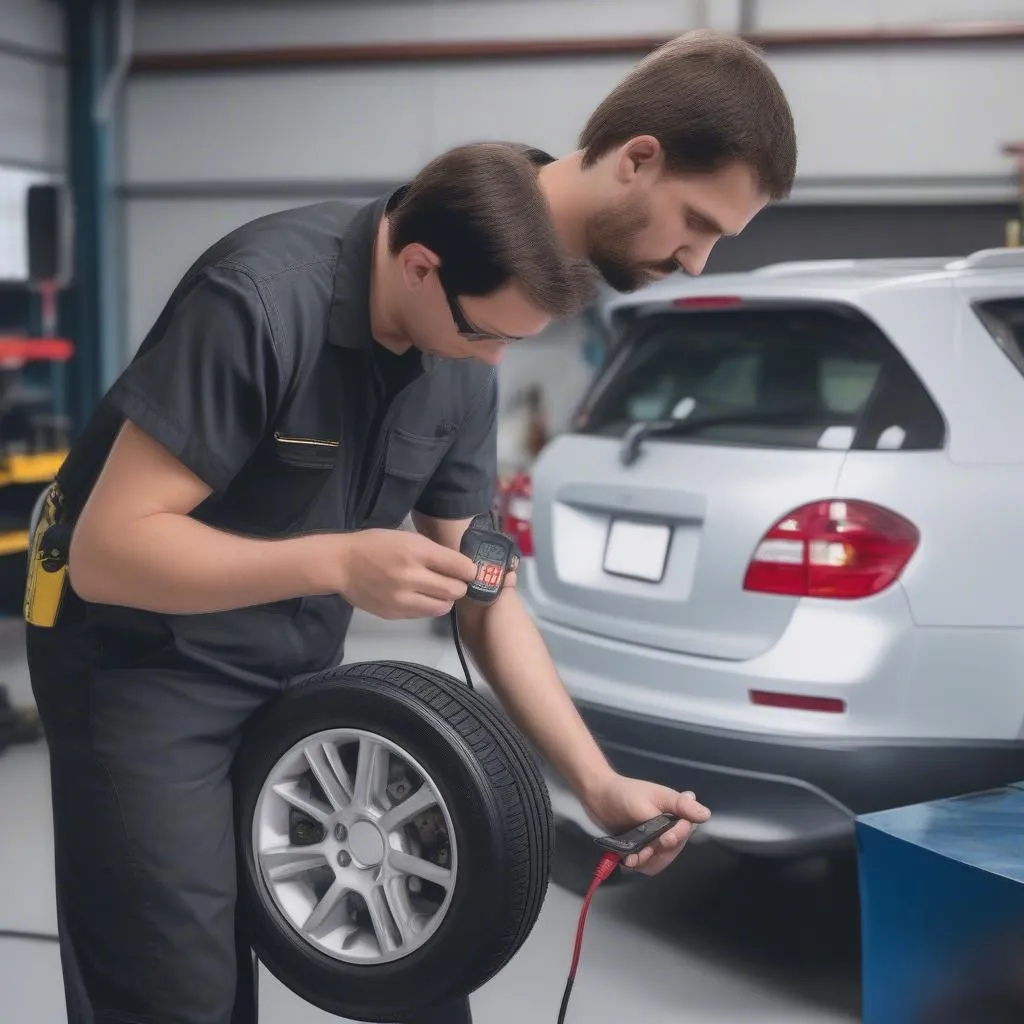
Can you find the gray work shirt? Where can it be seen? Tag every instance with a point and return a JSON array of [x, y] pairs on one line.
[[276, 302]]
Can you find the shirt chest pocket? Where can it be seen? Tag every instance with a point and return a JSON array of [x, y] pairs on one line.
[[275, 493], [403, 472]]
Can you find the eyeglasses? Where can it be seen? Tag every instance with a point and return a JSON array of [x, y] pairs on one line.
[[465, 328]]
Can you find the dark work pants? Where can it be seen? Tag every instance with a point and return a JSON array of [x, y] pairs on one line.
[[140, 764]]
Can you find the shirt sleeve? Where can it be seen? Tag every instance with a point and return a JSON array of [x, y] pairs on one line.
[[207, 381], [464, 484]]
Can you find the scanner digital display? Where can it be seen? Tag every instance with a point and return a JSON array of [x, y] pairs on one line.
[[491, 552], [489, 573]]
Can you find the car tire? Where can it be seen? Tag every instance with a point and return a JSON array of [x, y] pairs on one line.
[[483, 839]]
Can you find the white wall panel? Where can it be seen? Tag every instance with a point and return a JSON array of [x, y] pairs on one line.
[[36, 24], [169, 25], [31, 113], [904, 111], [798, 15], [366, 122], [880, 113], [32, 117], [543, 103], [32, 82], [163, 239], [203, 25], [938, 113]]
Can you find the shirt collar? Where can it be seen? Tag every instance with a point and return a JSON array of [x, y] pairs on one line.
[[349, 324]]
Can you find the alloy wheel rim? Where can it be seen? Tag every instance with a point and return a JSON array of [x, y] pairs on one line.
[[355, 846]]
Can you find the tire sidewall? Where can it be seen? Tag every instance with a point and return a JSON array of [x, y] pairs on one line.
[[445, 966]]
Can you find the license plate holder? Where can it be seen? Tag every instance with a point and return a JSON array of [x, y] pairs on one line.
[[637, 550]]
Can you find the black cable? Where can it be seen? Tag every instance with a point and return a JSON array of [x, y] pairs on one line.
[[454, 615], [11, 933]]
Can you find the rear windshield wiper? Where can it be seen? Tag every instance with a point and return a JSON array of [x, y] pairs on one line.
[[639, 432]]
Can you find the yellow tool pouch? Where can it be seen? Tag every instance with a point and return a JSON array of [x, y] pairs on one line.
[[47, 564]]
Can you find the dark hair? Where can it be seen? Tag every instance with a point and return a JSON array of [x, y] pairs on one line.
[[480, 208], [709, 98]]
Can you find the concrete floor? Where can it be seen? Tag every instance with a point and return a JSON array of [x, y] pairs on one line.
[[713, 940]]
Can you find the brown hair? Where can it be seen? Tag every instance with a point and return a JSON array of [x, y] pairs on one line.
[[480, 208], [708, 98]]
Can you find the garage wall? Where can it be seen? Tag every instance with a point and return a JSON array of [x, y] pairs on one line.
[[883, 129], [32, 121], [892, 125], [853, 107]]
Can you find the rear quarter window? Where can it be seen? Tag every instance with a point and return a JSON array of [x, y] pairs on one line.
[[1004, 320], [764, 376]]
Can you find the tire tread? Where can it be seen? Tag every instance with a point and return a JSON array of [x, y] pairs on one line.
[[514, 775]]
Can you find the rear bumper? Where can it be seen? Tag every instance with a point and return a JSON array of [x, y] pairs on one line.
[[791, 795]]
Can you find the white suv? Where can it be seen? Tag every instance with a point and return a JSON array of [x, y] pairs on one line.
[[779, 557]]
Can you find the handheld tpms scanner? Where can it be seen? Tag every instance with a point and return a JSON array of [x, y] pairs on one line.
[[495, 556], [637, 838]]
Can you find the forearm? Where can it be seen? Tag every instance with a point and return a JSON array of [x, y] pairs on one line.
[[171, 563], [512, 655]]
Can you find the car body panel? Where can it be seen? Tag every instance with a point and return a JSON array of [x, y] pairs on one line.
[[897, 680], [718, 503], [931, 664]]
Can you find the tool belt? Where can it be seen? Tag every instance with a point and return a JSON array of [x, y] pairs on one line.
[[47, 576]]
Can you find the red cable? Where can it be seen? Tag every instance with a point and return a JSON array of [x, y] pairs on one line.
[[608, 863]]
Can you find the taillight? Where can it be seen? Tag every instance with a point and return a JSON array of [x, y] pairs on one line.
[[708, 302], [836, 549], [517, 512]]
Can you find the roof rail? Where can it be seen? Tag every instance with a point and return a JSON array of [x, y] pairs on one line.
[[987, 259], [802, 266], [897, 263]]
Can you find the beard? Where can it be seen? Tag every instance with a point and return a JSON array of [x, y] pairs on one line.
[[610, 237]]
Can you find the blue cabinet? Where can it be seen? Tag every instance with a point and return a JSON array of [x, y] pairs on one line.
[[942, 910]]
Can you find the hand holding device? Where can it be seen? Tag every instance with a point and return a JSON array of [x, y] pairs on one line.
[[494, 554], [396, 574]]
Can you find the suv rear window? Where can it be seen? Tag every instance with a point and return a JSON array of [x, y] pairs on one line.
[[1004, 319], [767, 375]]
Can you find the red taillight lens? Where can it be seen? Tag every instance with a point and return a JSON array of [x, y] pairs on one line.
[[517, 512], [708, 302], [836, 549]]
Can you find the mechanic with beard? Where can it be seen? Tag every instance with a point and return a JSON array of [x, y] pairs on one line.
[[196, 586], [687, 149]]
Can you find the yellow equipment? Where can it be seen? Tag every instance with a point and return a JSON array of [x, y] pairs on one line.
[[33, 444]]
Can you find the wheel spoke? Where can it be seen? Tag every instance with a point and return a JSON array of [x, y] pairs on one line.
[[283, 862], [371, 773], [292, 792], [381, 919], [420, 868], [404, 917], [321, 913], [325, 762], [404, 812]]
